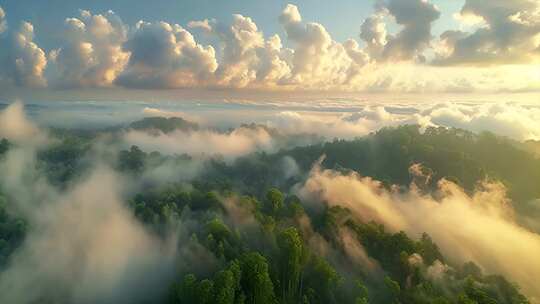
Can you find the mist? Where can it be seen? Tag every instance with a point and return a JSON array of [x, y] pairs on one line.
[[127, 223], [238, 142], [478, 227], [83, 245]]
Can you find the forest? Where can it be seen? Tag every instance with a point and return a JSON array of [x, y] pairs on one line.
[[402, 215]]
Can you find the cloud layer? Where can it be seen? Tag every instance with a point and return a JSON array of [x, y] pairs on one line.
[[396, 51]]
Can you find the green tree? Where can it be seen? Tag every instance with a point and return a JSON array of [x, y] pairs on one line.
[[274, 200], [292, 256], [393, 288], [205, 292], [256, 281], [227, 285]]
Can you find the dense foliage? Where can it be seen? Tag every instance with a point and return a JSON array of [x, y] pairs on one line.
[[269, 254]]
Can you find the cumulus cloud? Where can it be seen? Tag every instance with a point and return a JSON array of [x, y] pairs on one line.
[[373, 32], [415, 18], [478, 227], [3, 22], [92, 55], [22, 61], [273, 62], [509, 35], [239, 43], [248, 58], [98, 50], [317, 60], [166, 55]]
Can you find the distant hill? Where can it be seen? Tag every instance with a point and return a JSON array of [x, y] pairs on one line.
[[165, 125]]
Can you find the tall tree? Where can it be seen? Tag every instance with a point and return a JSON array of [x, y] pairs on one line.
[[256, 280]]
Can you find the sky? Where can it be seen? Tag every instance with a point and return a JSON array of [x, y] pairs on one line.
[[269, 49]]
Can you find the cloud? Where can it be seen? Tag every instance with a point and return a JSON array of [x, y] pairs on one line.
[[478, 227], [348, 119], [273, 62], [99, 50], [341, 125], [248, 59], [92, 55], [22, 62], [518, 122], [15, 126], [105, 257], [82, 245], [240, 41], [166, 56], [358, 255], [3, 22], [317, 60], [201, 24], [514, 121], [373, 32], [237, 142], [155, 112], [415, 18], [509, 35]]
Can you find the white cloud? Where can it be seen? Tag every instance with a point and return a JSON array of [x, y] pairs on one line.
[[240, 41], [166, 56], [3, 22], [514, 121], [317, 60], [21, 59], [99, 51], [238, 142], [92, 55], [349, 119], [248, 59]]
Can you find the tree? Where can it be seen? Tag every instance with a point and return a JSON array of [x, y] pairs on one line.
[[4, 146], [274, 200], [256, 280], [186, 291], [323, 278], [132, 160], [227, 285], [291, 263], [393, 288], [362, 297], [205, 292]]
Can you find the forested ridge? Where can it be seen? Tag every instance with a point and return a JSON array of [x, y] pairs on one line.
[[245, 235]]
